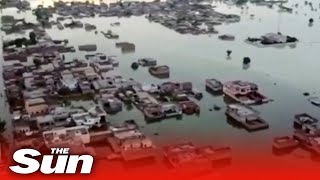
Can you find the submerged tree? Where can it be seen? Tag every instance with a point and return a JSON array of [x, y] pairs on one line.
[[38, 13], [3, 3], [37, 62], [246, 60], [20, 41], [33, 37]]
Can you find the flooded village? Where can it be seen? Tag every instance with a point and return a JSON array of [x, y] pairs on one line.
[[97, 77]]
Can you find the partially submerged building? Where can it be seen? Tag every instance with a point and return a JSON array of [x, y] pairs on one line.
[[130, 142], [246, 116]]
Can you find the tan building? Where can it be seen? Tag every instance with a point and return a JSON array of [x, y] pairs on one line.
[[36, 106]]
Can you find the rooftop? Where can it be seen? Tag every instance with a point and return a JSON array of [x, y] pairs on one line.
[[243, 110], [130, 134], [35, 101]]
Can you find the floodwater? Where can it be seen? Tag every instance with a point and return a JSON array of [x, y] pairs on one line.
[[283, 74]]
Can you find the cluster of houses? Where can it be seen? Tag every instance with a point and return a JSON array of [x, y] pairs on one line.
[[240, 95], [186, 17], [129, 143], [165, 100], [40, 85], [306, 135]]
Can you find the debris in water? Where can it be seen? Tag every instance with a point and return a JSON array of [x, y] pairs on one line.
[[306, 94], [227, 37], [314, 100], [216, 107], [311, 21]]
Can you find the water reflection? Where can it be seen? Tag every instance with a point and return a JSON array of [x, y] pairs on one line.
[[128, 106], [227, 100], [245, 66], [234, 123]]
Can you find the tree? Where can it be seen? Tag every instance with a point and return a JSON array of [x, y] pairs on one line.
[[37, 62], [43, 24], [3, 3], [19, 42], [33, 37], [38, 13], [246, 60]]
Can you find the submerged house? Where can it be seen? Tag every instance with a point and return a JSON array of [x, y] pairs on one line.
[[246, 116], [273, 38], [110, 103], [130, 143], [244, 92]]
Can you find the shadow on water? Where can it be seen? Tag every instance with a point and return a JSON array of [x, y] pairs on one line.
[[128, 107], [227, 100], [214, 93], [180, 117], [234, 123], [245, 66], [293, 45]]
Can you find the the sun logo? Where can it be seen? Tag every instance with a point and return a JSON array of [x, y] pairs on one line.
[[65, 164]]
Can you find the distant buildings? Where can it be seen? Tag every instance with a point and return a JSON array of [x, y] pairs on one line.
[[43, 89]]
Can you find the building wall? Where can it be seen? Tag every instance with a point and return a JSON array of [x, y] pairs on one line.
[[37, 109]]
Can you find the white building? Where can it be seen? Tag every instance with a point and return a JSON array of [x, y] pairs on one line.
[[68, 80], [93, 117], [66, 135], [86, 119]]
